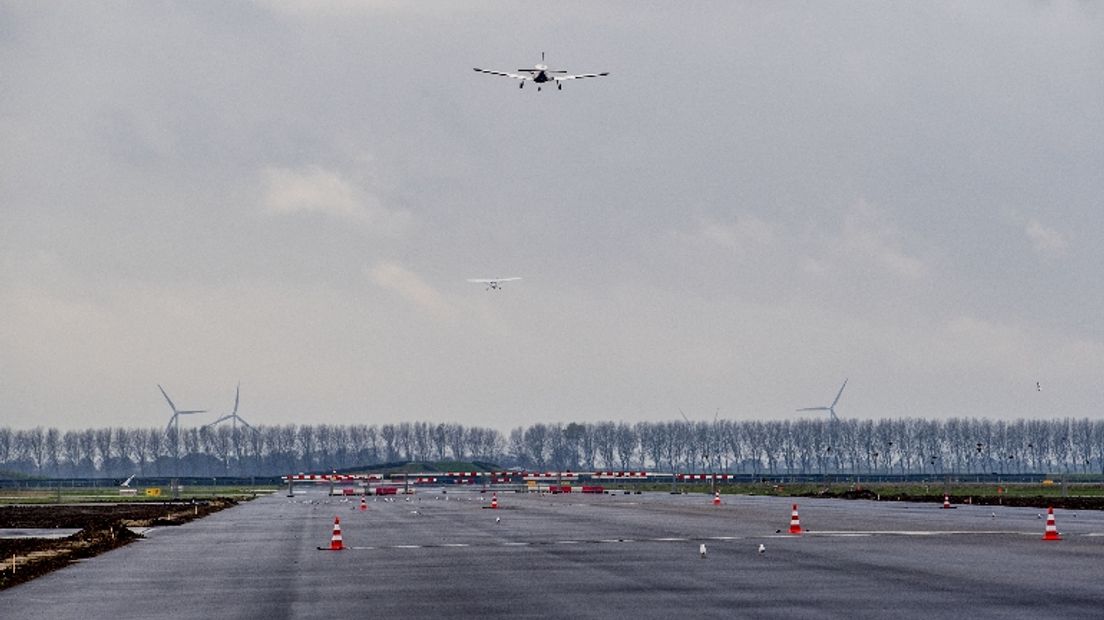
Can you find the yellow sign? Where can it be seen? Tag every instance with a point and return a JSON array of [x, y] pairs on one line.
[[153, 492]]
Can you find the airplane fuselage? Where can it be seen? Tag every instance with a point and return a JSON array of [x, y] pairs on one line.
[[540, 74]]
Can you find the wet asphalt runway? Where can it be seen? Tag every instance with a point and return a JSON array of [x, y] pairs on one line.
[[587, 556]]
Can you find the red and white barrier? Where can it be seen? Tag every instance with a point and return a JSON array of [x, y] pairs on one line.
[[707, 476], [330, 477]]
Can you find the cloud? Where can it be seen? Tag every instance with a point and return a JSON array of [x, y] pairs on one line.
[[1046, 241], [870, 238], [411, 287], [315, 190], [744, 231]]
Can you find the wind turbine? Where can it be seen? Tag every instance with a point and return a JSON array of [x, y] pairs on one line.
[[831, 409], [233, 415], [175, 419]]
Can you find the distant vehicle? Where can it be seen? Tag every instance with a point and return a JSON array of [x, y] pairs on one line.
[[492, 283], [541, 74]]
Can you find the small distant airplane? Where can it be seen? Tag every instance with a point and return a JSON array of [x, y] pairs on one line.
[[492, 283], [541, 74], [1038, 387]]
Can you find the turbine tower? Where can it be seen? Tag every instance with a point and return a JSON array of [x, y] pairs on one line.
[[831, 409], [233, 415]]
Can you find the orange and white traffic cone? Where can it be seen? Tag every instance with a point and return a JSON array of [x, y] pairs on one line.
[[795, 522], [1051, 528], [363, 504], [946, 501], [335, 540], [494, 500], [717, 498]]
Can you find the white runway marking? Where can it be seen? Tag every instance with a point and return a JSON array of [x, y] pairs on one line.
[[455, 545], [911, 533], [567, 542], [670, 539], [514, 544]]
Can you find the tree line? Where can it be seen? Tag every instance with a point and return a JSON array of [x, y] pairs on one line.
[[803, 446]]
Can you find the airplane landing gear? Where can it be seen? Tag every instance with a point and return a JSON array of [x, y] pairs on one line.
[[522, 85], [538, 89], [559, 86]]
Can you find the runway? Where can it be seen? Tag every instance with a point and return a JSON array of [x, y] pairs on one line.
[[578, 555]]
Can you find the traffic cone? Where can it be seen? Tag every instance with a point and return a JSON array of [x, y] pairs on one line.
[[946, 501], [335, 540], [494, 500], [363, 504], [717, 498], [1051, 528], [795, 522]]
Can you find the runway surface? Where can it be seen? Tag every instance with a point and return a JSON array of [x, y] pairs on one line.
[[588, 556]]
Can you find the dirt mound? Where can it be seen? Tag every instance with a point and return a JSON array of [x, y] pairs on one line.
[[103, 527], [131, 514]]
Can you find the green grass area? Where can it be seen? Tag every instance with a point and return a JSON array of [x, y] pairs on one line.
[[46, 495]]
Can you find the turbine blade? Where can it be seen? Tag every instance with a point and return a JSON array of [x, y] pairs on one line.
[[814, 409], [193, 411], [237, 396], [169, 427], [166, 397], [839, 394]]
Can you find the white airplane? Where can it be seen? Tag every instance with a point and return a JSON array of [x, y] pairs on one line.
[[541, 74], [492, 283]]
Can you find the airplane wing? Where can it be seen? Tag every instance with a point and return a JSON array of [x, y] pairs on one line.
[[579, 77], [489, 280], [509, 75]]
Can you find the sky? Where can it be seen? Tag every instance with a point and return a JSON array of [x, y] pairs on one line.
[[761, 200]]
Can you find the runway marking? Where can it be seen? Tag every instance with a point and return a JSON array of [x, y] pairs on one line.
[[820, 533], [911, 533]]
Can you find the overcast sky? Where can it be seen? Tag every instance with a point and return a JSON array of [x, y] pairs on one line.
[[761, 200]]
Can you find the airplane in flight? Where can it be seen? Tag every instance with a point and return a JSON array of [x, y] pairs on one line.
[[541, 74], [492, 283]]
